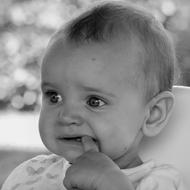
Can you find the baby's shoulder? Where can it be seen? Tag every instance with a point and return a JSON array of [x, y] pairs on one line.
[[34, 170], [162, 176], [43, 160], [166, 170]]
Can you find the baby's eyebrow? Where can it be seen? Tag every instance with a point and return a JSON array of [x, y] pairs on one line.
[[98, 90], [46, 84], [86, 88]]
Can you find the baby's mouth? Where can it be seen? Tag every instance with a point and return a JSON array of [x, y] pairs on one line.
[[75, 139], [78, 139]]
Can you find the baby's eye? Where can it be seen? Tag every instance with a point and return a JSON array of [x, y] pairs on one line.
[[53, 97], [94, 102]]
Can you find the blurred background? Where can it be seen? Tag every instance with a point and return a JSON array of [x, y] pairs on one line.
[[25, 28]]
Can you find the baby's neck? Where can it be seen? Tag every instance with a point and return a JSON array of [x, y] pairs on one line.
[[135, 162], [128, 161]]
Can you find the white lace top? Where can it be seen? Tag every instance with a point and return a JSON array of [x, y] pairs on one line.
[[47, 172]]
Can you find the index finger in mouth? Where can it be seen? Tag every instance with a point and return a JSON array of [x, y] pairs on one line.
[[89, 144]]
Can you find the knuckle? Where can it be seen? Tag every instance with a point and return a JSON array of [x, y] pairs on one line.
[[66, 182], [70, 172]]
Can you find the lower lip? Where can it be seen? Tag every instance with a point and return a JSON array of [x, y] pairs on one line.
[[70, 142]]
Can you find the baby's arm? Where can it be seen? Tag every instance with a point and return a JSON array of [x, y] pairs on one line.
[[16, 178], [35, 173], [94, 170], [162, 177]]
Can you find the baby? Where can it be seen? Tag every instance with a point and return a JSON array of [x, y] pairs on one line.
[[107, 77]]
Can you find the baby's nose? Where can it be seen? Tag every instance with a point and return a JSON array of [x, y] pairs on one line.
[[71, 116]]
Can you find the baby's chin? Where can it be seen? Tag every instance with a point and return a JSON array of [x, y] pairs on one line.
[[71, 155]]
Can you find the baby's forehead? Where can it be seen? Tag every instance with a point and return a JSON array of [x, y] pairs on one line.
[[116, 44], [123, 47], [119, 59]]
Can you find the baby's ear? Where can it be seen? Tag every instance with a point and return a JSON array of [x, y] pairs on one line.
[[158, 112]]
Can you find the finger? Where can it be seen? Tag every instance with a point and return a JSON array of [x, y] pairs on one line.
[[89, 144], [69, 182]]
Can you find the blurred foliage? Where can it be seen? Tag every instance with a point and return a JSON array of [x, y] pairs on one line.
[[26, 26]]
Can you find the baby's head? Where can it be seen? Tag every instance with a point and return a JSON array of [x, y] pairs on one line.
[[107, 74]]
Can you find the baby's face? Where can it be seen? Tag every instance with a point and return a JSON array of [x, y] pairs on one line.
[[93, 90]]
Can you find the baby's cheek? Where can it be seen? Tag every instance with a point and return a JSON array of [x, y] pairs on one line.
[[108, 128], [46, 129]]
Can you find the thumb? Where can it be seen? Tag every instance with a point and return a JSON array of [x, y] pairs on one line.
[[89, 144]]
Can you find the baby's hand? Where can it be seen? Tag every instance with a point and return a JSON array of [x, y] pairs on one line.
[[93, 170]]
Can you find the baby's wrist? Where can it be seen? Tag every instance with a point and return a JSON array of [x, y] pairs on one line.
[[114, 179]]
